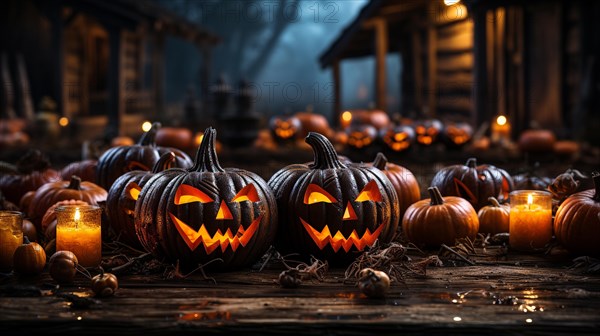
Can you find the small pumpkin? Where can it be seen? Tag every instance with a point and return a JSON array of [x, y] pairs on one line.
[[376, 118], [176, 137], [29, 230], [537, 140], [122, 196], [63, 266], [205, 212], [86, 170], [475, 183], [428, 131], [577, 221], [494, 218], [104, 284], [361, 136], [142, 156], [285, 128], [32, 171], [456, 135], [331, 209], [439, 220], [399, 138], [313, 122], [403, 180], [50, 193], [29, 258]]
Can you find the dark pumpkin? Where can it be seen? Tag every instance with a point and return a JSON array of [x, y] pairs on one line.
[[330, 209], [122, 196], [32, 171], [456, 135], [399, 138], [86, 170], [361, 135], [285, 128], [205, 212], [403, 180], [119, 160], [474, 183], [50, 193], [577, 221], [428, 131]]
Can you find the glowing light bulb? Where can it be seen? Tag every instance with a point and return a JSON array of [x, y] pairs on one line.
[[501, 120], [146, 126], [63, 121]]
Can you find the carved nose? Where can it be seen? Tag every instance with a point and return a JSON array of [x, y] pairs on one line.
[[224, 212], [349, 213]]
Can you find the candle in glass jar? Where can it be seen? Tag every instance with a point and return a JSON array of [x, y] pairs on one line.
[[78, 229], [530, 224], [11, 236]]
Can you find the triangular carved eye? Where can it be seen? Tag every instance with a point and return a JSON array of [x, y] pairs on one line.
[[248, 193], [369, 193], [316, 194], [188, 194], [133, 191]]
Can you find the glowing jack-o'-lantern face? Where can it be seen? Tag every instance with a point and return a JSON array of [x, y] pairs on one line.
[[360, 136], [284, 128], [399, 138], [196, 235], [427, 131], [336, 238], [457, 134]]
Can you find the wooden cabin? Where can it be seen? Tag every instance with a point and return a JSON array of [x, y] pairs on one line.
[[533, 61], [103, 62]]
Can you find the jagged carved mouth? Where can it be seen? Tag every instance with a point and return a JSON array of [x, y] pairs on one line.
[[338, 240], [194, 238]]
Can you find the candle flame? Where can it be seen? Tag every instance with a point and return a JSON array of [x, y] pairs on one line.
[[529, 199], [146, 126], [501, 120], [77, 215]]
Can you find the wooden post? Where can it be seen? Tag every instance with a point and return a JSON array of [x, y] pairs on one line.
[[58, 44], [158, 70], [432, 60], [417, 70], [381, 49], [337, 92], [479, 71], [206, 52], [116, 103]]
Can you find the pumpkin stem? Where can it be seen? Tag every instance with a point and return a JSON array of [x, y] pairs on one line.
[[380, 161], [75, 183], [435, 195], [494, 202], [325, 155], [164, 162], [26, 240], [596, 179], [471, 163], [149, 138], [206, 157]]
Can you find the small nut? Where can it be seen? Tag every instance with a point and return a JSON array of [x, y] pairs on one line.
[[373, 283]]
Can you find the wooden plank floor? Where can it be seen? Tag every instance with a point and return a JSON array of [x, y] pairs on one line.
[[547, 297]]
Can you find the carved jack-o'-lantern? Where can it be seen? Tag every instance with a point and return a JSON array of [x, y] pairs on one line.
[[330, 209], [285, 128], [141, 156], [360, 136], [206, 212], [456, 135], [124, 193], [428, 131], [398, 138]]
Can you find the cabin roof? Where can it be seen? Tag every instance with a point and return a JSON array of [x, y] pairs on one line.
[[130, 13]]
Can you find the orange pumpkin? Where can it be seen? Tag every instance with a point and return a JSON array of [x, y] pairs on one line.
[[439, 220], [494, 218], [312, 122], [177, 137], [537, 140], [29, 258], [402, 179], [577, 221]]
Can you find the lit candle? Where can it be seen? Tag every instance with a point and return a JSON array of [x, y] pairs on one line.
[[78, 229], [500, 130], [11, 236], [530, 224]]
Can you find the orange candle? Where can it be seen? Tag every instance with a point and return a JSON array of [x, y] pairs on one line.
[[501, 130], [530, 224], [11, 236], [78, 229]]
